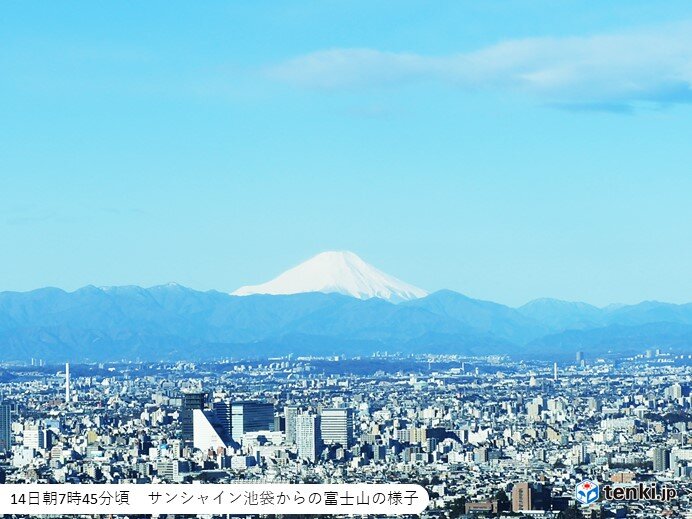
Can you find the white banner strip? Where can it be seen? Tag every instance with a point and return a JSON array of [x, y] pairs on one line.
[[36, 499]]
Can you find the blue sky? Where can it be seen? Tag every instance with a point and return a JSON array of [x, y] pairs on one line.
[[505, 149]]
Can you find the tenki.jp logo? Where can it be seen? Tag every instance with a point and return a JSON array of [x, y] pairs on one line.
[[587, 492]]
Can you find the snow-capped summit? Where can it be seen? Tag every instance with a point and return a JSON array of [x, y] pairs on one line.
[[341, 272]]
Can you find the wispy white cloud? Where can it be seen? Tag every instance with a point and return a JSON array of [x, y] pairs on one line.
[[598, 72]]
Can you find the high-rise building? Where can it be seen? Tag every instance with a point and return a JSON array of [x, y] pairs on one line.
[[222, 410], [480, 455], [290, 413], [308, 437], [661, 459], [5, 427], [207, 431], [580, 454], [379, 453], [521, 497], [34, 437], [67, 382], [175, 449], [191, 400], [279, 423], [674, 391], [247, 416], [580, 357], [337, 426]]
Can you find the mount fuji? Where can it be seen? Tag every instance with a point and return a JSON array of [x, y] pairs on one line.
[[340, 272]]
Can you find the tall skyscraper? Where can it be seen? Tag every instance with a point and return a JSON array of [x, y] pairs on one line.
[[247, 416], [555, 371], [5, 427], [308, 437], [290, 413], [67, 382], [661, 459], [191, 400], [337, 426], [222, 410]]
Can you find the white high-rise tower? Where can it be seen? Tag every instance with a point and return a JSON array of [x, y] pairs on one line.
[[67, 382], [308, 437]]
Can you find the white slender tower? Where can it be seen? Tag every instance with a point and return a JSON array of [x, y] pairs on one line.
[[67, 382], [555, 371]]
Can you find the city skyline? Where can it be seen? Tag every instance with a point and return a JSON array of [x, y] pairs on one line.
[[450, 146], [483, 435]]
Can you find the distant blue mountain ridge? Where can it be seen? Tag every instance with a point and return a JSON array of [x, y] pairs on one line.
[[171, 322]]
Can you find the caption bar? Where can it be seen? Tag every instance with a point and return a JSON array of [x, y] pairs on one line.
[[35, 499]]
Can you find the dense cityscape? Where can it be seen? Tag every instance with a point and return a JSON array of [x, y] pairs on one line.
[[485, 436]]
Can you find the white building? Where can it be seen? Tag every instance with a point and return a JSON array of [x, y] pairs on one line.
[[207, 432], [337, 426], [169, 470], [308, 437], [34, 437]]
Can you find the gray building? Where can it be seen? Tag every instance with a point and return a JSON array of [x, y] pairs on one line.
[[290, 414], [661, 459]]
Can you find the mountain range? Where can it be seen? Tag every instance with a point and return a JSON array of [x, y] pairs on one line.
[[355, 310]]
